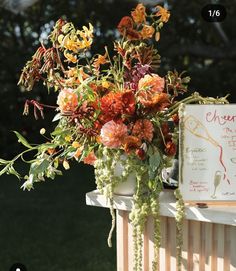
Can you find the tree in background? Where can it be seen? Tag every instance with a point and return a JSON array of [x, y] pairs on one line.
[[205, 50]]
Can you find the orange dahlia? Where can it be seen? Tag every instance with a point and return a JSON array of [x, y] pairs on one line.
[[111, 106], [67, 100], [143, 129], [112, 134]]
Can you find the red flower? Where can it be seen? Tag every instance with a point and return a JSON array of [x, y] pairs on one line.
[[165, 129], [125, 27], [140, 153], [125, 23], [170, 148], [175, 119], [128, 102]]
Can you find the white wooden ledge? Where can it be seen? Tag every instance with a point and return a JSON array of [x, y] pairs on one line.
[[209, 235], [214, 214]]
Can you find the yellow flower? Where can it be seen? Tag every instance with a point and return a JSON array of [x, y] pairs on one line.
[[139, 14], [163, 13], [60, 38], [105, 84], [86, 35], [69, 42], [85, 43], [70, 57], [76, 40], [76, 144], [68, 138], [86, 32]]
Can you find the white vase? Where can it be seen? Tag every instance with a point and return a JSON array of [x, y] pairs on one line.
[[126, 188]]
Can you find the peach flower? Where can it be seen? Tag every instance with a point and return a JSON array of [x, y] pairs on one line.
[[67, 100], [90, 158], [112, 134], [150, 92], [152, 82]]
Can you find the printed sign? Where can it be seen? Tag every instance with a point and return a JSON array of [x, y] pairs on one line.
[[207, 153]]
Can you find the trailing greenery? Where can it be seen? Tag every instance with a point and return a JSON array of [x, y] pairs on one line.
[[145, 198]]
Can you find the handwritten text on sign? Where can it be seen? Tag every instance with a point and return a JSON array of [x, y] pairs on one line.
[[208, 152]]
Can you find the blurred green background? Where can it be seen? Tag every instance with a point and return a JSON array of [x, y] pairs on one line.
[[51, 228]]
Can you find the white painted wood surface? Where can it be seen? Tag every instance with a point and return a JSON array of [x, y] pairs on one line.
[[209, 242], [215, 214]]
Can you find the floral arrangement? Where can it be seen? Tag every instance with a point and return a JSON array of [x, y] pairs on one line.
[[109, 106]]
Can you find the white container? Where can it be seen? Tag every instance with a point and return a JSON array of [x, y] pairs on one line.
[[126, 188]]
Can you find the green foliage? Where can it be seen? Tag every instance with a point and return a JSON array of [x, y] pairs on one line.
[[22, 140]]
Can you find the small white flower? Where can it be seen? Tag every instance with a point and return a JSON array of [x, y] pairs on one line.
[[28, 184], [42, 131]]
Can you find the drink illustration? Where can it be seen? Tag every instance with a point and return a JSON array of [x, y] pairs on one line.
[[194, 126], [217, 180]]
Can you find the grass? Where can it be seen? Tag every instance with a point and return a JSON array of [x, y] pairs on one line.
[[51, 228]]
